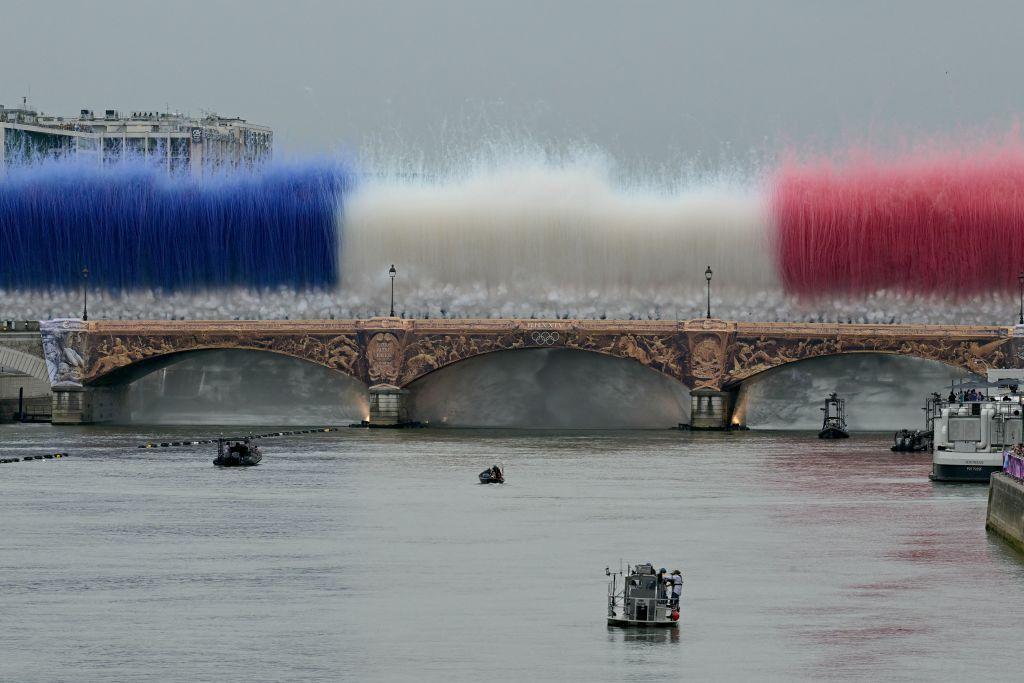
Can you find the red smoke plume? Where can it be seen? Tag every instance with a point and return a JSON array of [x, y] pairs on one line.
[[945, 224]]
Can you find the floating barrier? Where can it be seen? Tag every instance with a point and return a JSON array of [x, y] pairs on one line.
[[171, 444], [45, 456]]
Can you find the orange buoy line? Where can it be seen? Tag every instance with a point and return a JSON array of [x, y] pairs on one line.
[[171, 444]]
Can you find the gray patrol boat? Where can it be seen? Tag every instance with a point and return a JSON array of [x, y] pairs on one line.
[[643, 600]]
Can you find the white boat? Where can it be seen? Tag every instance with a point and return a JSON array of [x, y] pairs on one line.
[[643, 600], [971, 434]]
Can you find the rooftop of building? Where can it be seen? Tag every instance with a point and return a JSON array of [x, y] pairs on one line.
[[113, 120]]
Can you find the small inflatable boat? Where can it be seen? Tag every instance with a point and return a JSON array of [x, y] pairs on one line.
[[907, 441], [493, 475], [237, 453]]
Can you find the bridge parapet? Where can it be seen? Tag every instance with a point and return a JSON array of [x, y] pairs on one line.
[[867, 330]]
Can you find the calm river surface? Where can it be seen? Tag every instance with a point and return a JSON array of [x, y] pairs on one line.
[[376, 555]]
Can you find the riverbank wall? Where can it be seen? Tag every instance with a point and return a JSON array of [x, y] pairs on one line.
[[1006, 509]]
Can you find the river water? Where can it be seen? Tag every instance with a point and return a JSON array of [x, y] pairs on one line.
[[375, 555]]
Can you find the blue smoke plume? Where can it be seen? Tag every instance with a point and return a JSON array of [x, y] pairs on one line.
[[136, 227]]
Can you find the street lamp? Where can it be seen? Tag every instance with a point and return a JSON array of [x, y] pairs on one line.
[[392, 272], [85, 293], [707, 276], [1020, 283]]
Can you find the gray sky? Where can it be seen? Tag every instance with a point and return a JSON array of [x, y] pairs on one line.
[[651, 82]]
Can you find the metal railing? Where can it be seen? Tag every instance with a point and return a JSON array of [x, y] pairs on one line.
[[996, 404], [19, 325]]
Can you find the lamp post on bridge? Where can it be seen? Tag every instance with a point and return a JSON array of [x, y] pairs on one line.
[[707, 276], [85, 293], [1020, 287], [392, 272]]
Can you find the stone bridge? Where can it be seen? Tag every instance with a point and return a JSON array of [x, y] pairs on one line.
[[24, 379], [711, 357]]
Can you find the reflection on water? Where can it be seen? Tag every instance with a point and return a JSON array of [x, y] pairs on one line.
[[651, 636], [376, 555]]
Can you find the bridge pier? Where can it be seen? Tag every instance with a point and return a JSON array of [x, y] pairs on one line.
[[70, 405], [387, 406], [78, 405], [710, 409]]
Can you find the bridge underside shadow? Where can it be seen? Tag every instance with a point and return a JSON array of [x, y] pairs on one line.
[[231, 387], [882, 391], [548, 389]]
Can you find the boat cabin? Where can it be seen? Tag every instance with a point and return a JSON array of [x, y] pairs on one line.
[[984, 416]]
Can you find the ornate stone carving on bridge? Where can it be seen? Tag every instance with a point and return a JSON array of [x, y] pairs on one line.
[[708, 340], [384, 358], [107, 353], [661, 351], [63, 342], [755, 354], [707, 361]]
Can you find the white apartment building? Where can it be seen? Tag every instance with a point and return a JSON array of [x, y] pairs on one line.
[[173, 140]]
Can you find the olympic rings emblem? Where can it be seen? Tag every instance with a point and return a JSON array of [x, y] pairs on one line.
[[544, 337]]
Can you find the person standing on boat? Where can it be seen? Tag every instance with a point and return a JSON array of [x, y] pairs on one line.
[[677, 587], [662, 581]]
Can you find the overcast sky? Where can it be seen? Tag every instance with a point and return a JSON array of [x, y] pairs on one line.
[[651, 82]]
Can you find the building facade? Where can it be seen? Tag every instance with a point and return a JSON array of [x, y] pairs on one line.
[[170, 140]]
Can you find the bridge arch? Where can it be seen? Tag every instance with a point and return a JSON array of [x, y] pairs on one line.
[[548, 387], [133, 371], [428, 371], [882, 390], [111, 358], [663, 353], [752, 357], [769, 369], [228, 386], [24, 363]]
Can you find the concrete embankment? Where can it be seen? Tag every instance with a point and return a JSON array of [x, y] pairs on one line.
[[1006, 509]]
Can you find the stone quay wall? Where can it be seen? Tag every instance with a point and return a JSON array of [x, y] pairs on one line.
[[1006, 509]]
